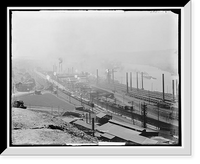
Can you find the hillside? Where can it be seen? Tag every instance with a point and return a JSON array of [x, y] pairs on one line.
[[42, 128]]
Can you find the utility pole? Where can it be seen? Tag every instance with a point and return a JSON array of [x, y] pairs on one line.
[[144, 113], [132, 112], [93, 127], [158, 110]]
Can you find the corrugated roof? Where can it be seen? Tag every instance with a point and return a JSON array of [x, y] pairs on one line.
[[134, 127], [100, 115], [125, 133], [84, 124], [68, 119], [106, 135]]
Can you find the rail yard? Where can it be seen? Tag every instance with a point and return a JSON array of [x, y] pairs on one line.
[[136, 107]]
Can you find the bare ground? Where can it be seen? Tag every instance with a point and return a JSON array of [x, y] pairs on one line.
[[42, 128]]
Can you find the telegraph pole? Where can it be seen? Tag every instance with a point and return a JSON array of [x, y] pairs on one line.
[[132, 112], [158, 110], [144, 113]]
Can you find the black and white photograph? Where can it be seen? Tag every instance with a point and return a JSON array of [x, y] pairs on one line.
[[102, 77]]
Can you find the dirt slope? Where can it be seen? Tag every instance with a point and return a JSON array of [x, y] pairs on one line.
[[40, 128]]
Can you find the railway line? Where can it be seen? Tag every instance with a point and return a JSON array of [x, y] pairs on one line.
[[155, 117], [147, 96]]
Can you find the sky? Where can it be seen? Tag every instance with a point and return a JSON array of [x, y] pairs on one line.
[[37, 34], [91, 39]]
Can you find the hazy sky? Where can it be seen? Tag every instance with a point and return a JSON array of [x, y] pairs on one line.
[[82, 35]]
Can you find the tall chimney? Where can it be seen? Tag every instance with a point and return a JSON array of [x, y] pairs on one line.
[[72, 70], [113, 78], [176, 87], [142, 79], [137, 79], [173, 88], [97, 77], [127, 81], [163, 85], [131, 81], [108, 76]]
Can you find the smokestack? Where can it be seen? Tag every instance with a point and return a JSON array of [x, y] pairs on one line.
[[137, 79], [97, 77], [127, 81], [131, 81], [173, 89], [163, 85], [113, 78], [176, 87], [72, 70], [142, 79], [108, 76]]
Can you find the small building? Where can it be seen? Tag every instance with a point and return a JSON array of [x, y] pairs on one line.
[[103, 118], [117, 133], [87, 128]]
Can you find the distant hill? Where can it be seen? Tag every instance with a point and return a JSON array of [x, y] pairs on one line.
[[166, 60]]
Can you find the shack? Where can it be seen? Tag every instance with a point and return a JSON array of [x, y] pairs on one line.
[[116, 133], [103, 118]]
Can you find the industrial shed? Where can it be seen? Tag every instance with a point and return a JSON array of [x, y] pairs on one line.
[[103, 118], [118, 133], [144, 131], [87, 128]]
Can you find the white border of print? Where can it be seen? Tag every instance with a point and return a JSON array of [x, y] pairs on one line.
[[184, 150]]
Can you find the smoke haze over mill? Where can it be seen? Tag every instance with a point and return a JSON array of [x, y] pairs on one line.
[[91, 40]]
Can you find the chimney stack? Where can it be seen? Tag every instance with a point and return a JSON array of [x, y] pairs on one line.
[[163, 85], [177, 87], [142, 79], [113, 78], [127, 81], [131, 81], [97, 77], [137, 79], [173, 89]]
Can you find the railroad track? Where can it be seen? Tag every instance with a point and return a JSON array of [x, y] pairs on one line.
[[144, 95]]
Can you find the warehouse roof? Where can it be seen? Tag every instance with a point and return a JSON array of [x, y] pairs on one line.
[[107, 135], [125, 133], [133, 127], [101, 115], [84, 124]]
